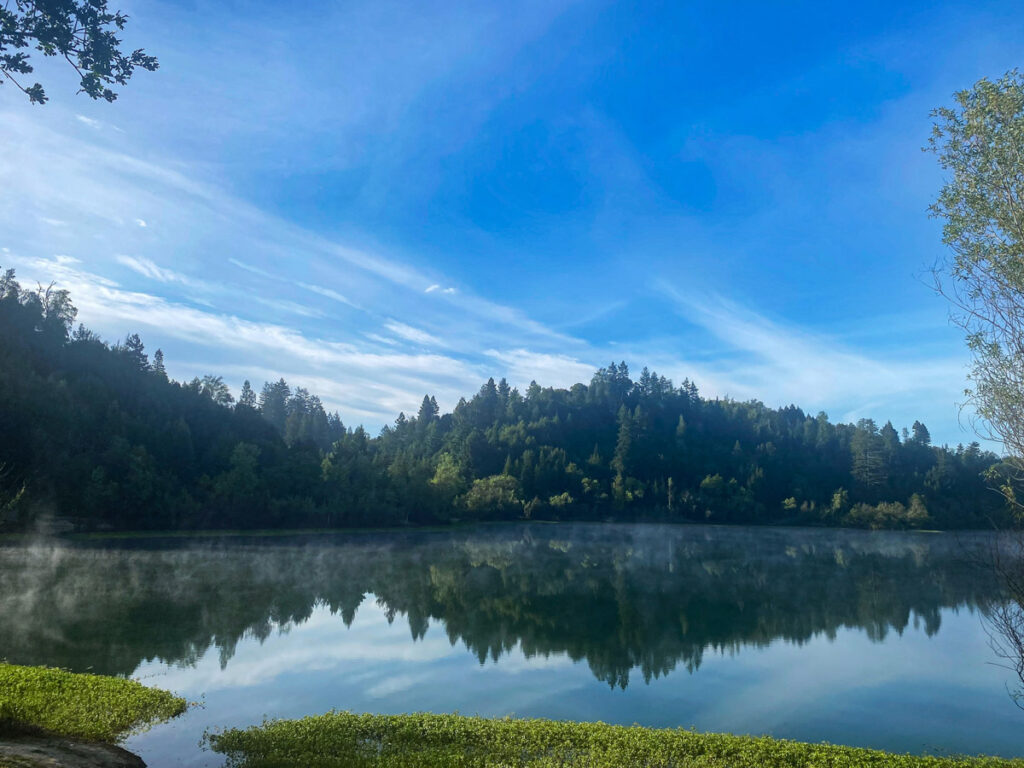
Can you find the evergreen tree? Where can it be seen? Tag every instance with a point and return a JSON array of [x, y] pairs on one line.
[[158, 364], [274, 403], [428, 413], [135, 352], [247, 398], [622, 461]]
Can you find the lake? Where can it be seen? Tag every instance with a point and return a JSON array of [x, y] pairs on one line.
[[854, 637]]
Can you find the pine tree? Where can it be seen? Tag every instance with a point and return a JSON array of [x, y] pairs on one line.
[[158, 364], [624, 443], [274, 403], [867, 449], [247, 398], [428, 413], [134, 351]]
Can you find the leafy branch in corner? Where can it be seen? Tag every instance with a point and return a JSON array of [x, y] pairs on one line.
[[84, 33]]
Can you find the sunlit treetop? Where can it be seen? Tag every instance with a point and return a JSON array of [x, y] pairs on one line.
[[83, 33]]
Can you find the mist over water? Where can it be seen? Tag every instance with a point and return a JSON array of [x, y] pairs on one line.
[[864, 638]]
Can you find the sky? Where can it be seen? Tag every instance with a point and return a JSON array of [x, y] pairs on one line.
[[380, 200]]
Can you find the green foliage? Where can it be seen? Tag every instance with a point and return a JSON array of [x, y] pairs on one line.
[[349, 740], [84, 33], [448, 477], [100, 434], [81, 706], [979, 143], [840, 503], [888, 514], [496, 495]]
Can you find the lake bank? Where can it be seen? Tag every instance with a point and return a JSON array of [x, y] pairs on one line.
[[51, 717], [454, 527]]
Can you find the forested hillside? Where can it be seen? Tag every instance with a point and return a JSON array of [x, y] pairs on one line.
[[99, 434]]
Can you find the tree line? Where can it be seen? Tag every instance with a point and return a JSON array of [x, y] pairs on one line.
[[98, 434]]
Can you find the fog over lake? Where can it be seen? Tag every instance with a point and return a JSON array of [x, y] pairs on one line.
[[872, 639]]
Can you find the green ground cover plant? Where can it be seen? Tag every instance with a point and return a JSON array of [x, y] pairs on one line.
[[344, 739], [81, 706]]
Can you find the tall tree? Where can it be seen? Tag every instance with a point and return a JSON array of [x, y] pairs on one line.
[[428, 412], [920, 434], [980, 143], [135, 351], [622, 460], [158, 364], [274, 403], [247, 398], [868, 455]]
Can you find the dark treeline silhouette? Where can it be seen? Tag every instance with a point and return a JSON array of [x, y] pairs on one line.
[[625, 599], [98, 434]]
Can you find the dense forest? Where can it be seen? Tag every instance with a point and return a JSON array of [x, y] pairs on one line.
[[99, 435]]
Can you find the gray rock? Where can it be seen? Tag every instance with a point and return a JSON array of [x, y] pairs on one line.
[[54, 752]]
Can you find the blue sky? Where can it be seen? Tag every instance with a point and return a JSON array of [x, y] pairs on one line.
[[380, 200]]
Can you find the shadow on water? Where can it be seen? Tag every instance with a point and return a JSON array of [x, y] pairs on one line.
[[621, 598]]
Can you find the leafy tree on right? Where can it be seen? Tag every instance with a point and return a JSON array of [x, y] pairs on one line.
[[980, 143]]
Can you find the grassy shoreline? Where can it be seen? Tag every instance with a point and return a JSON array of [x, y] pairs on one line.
[[50, 701], [347, 740], [80, 706]]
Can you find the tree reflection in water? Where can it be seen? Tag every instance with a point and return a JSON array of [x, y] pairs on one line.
[[622, 598]]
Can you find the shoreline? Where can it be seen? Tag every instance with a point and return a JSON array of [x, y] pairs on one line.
[[459, 526]]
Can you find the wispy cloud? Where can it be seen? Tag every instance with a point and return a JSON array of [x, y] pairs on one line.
[[147, 268], [250, 268], [199, 221], [381, 339], [245, 309], [759, 358], [330, 294], [415, 335]]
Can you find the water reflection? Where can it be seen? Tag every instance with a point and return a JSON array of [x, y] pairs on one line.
[[626, 600]]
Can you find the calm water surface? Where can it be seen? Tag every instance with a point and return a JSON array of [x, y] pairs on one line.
[[871, 639]]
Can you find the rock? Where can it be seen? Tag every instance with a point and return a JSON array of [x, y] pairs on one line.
[[54, 751]]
